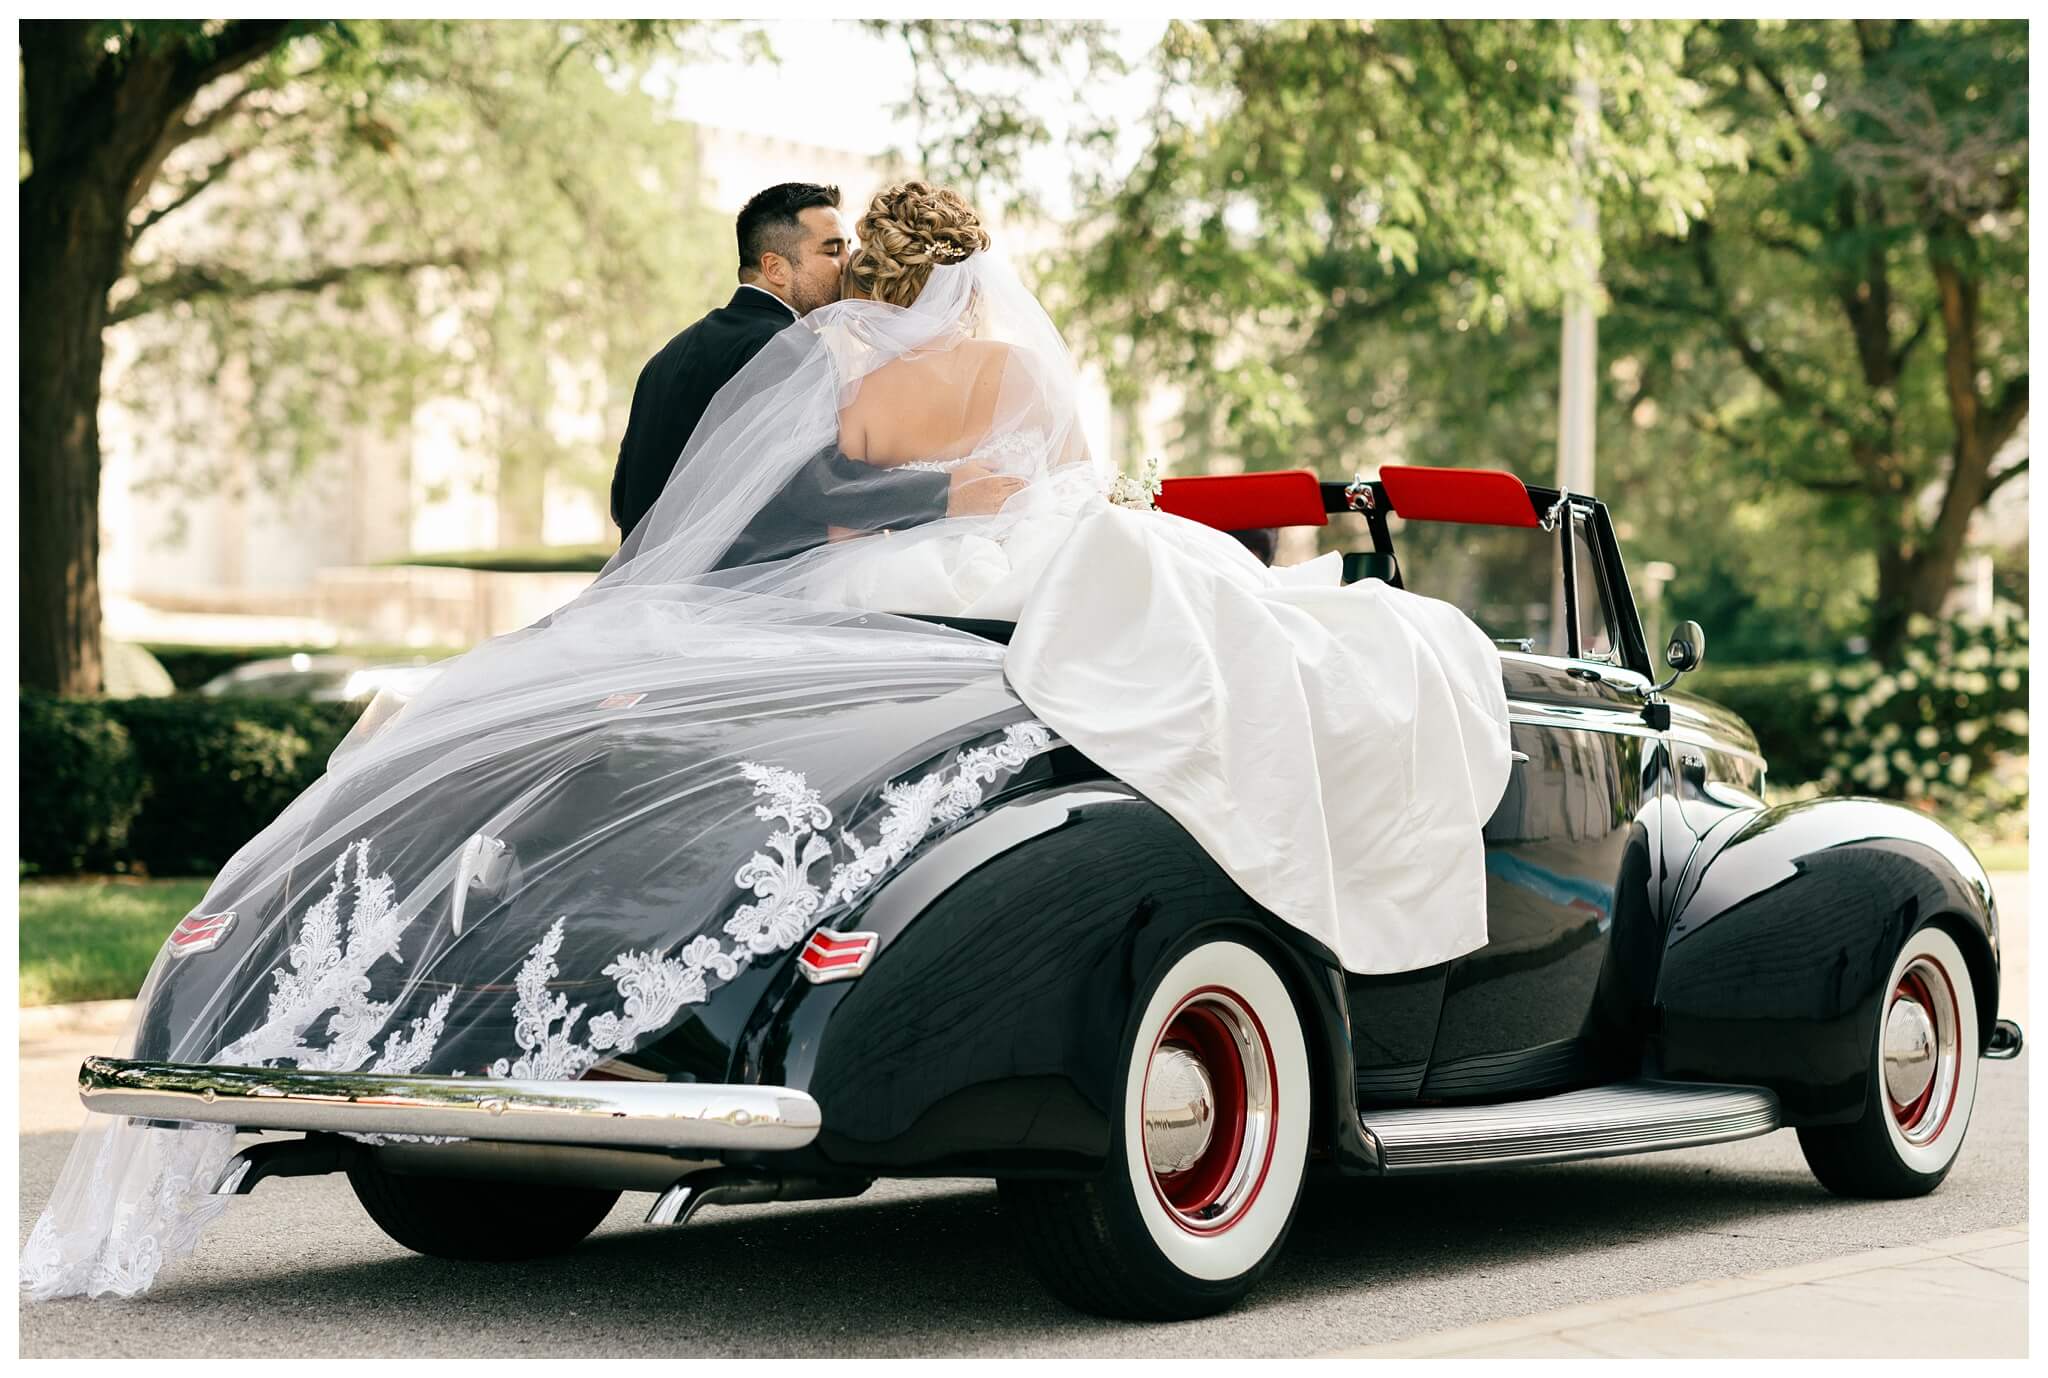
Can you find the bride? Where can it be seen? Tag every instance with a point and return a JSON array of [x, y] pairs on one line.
[[542, 860]]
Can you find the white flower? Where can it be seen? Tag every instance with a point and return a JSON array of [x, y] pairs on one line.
[[1926, 737], [1857, 711], [1919, 624], [1881, 692], [2014, 720], [1907, 680], [1967, 732], [1903, 760], [1959, 770], [2009, 680], [1828, 704], [1817, 681], [1138, 492]]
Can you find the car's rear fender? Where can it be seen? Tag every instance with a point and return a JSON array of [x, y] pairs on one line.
[[987, 1036], [1784, 928]]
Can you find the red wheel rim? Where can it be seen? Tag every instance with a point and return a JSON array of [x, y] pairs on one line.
[[1926, 984], [1220, 1030]]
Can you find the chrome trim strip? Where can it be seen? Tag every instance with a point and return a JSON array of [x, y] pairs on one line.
[[1631, 1117], [603, 1113], [1615, 723]]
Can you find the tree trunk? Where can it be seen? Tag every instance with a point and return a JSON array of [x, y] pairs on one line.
[[72, 240], [96, 129], [1909, 583]]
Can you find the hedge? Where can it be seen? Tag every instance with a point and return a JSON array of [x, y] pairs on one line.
[[1779, 703], [219, 770], [88, 784], [172, 785]]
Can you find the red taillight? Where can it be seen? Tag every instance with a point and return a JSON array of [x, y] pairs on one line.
[[200, 932], [837, 956]]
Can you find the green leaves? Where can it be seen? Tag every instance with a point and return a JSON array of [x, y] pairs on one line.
[[1307, 176], [470, 210], [1347, 242]]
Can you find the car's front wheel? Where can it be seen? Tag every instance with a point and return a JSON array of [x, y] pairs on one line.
[[1922, 1082], [450, 1217], [1206, 1156]]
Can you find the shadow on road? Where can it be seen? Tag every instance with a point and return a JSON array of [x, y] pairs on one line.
[[897, 1273]]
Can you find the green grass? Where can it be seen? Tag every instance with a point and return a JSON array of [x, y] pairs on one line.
[[2002, 856], [94, 938]]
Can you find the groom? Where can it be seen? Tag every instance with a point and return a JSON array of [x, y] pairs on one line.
[[793, 245]]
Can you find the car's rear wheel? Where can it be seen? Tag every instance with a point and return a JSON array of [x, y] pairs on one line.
[[1206, 1156], [1922, 1083], [451, 1217]]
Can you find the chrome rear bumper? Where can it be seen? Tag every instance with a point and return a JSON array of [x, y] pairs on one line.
[[628, 1114]]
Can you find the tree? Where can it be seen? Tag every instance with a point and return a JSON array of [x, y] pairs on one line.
[[1346, 241], [490, 258], [103, 106], [1312, 189], [1867, 269], [365, 115]]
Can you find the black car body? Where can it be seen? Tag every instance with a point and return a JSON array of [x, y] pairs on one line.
[[1670, 961]]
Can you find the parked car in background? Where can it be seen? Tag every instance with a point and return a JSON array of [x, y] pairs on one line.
[[320, 678], [132, 672]]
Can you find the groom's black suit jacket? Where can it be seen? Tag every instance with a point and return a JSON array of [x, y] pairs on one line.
[[675, 389]]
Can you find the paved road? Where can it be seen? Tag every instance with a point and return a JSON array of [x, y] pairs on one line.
[[927, 1269]]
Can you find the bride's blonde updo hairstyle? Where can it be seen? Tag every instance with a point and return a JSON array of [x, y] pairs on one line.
[[908, 230]]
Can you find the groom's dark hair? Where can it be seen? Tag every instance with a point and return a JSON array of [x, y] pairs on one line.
[[768, 224]]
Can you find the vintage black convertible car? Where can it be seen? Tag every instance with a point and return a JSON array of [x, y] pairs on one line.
[[1054, 987]]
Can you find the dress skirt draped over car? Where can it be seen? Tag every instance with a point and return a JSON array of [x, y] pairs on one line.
[[1336, 748]]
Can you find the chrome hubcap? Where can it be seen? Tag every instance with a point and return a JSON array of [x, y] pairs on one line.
[[1908, 1051], [1922, 1053], [1209, 1107], [1180, 1110]]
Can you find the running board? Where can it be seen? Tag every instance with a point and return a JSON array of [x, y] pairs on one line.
[[1630, 1117]]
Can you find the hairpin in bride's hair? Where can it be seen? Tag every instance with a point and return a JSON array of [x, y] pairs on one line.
[[949, 253]]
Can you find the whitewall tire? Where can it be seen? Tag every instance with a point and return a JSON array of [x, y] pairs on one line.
[[1207, 1155], [1922, 1083]]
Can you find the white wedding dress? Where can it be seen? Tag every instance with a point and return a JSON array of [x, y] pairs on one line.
[[1336, 748]]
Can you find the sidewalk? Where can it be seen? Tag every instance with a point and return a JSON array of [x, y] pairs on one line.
[[54, 1040], [1961, 1298]]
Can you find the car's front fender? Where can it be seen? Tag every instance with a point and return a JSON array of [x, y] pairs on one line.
[[1785, 928]]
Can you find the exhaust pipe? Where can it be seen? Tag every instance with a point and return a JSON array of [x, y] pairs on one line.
[[732, 1187]]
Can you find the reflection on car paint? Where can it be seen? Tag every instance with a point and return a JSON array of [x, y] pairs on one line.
[[1573, 892]]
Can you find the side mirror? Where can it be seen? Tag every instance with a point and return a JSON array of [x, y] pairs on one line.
[[1687, 648]]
